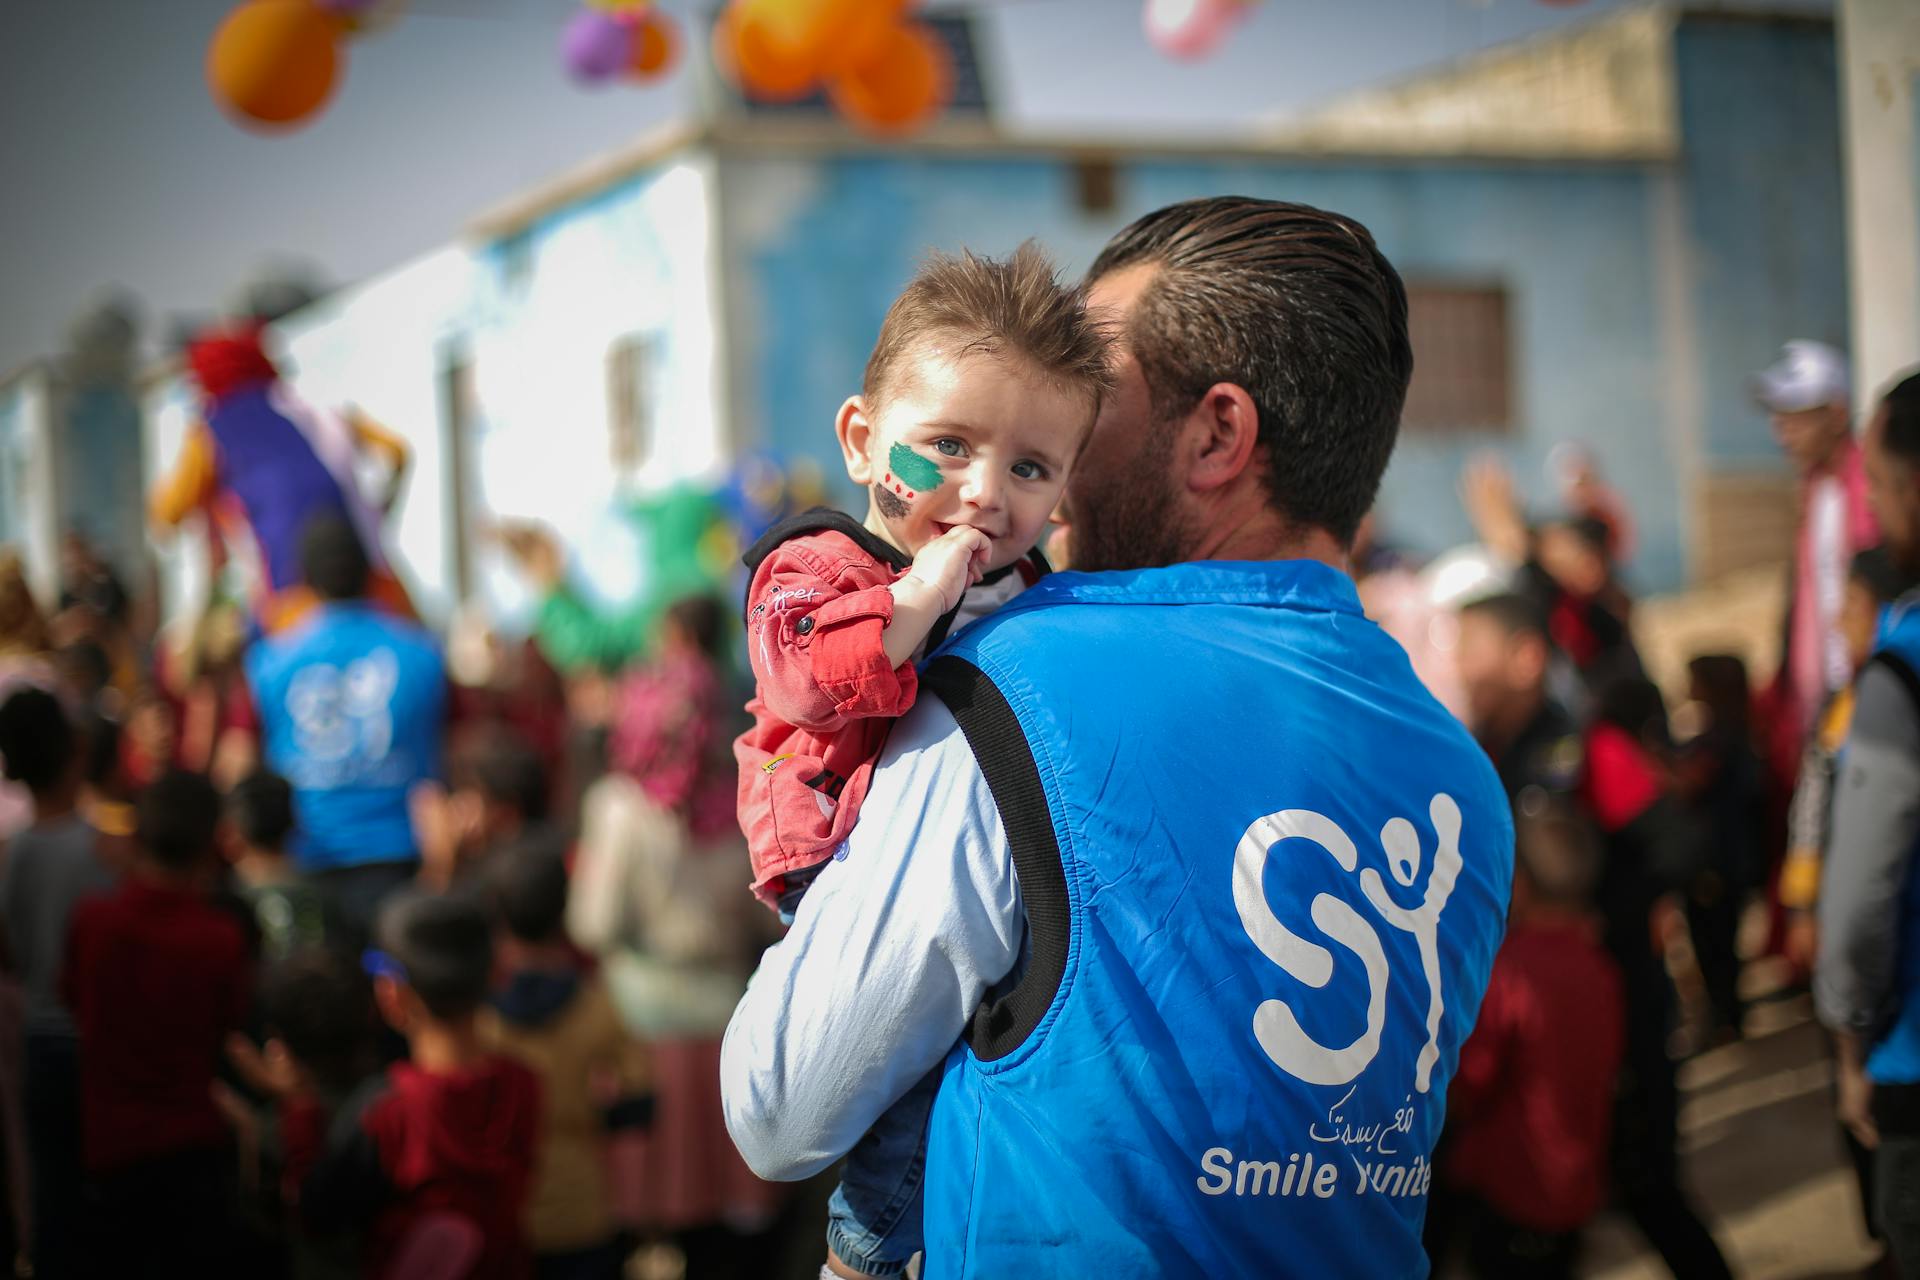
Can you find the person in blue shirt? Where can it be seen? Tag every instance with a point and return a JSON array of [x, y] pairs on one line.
[[352, 704], [1180, 894]]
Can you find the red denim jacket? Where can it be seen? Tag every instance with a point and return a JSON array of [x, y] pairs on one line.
[[825, 695]]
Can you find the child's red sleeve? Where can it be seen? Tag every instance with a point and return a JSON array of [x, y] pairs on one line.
[[816, 648]]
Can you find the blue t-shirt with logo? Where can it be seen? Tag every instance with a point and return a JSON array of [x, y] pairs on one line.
[[352, 706]]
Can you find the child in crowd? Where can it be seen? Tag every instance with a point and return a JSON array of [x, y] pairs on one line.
[[158, 977], [557, 1017], [50, 867], [1529, 1113], [432, 1160], [317, 1010], [978, 396], [1720, 777], [289, 912], [499, 793]]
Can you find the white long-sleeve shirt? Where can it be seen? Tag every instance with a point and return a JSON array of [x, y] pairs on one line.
[[892, 950]]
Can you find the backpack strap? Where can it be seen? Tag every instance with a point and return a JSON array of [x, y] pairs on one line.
[[1899, 668], [1003, 1022], [820, 520]]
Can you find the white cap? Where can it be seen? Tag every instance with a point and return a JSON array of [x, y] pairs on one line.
[[1808, 375]]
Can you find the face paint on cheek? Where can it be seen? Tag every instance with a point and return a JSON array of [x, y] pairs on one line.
[[909, 474], [891, 506]]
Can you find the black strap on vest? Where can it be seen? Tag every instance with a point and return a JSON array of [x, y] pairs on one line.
[[820, 520], [1003, 1024], [1897, 667]]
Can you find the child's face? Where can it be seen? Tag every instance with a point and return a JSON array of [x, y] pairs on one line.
[[1859, 622], [978, 440]]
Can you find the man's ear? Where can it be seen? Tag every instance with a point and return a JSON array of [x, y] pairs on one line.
[[854, 430], [1528, 658], [1219, 437], [391, 999]]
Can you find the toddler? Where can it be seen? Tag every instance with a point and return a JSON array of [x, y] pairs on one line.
[[979, 394]]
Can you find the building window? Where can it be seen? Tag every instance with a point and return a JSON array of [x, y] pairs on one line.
[[1096, 185], [630, 363], [1462, 366]]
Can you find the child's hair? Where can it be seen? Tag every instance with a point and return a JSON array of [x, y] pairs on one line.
[[320, 1005], [1012, 307], [507, 771], [443, 946], [1555, 849], [177, 816], [1633, 703], [530, 890], [36, 739], [260, 806], [1875, 570], [1721, 682]]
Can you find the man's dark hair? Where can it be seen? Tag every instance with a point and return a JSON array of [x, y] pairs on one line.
[[36, 739], [1592, 533], [1875, 570], [530, 889], [1514, 614], [320, 1005], [260, 806], [1300, 309], [445, 947], [1902, 406], [176, 817], [334, 561]]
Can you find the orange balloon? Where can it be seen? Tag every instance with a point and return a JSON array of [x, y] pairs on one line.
[[901, 88], [274, 61], [753, 55], [839, 35], [656, 43]]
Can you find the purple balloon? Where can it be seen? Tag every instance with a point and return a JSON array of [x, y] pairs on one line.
[[596, 45]]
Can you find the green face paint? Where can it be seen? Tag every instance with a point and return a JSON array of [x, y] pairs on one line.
[[909, 474]]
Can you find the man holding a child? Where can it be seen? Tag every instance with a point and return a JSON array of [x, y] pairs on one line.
[[1180, 881]]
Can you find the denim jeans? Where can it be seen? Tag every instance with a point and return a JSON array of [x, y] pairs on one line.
[[873, 1220]]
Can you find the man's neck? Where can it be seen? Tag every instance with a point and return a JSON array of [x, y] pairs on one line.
[[517, 954], [440, 1048], [1262, 534], [55, 803], [258, 868], [1505, 729]]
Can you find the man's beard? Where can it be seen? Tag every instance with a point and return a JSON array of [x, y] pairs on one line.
[[1135, 522]]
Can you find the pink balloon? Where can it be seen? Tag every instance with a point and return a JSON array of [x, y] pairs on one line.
[[595, 45], [1190, 29]]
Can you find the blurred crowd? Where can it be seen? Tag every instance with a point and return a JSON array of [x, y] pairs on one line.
[[312, 922], [306, 925]]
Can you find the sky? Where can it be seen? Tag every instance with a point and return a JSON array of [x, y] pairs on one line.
[[118, 175]]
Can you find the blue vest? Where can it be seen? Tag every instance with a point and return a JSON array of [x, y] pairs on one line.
[[352, 708], [1895, 1059], [1265, 875]]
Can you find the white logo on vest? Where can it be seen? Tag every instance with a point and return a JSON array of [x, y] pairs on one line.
[[1279, 1032]]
